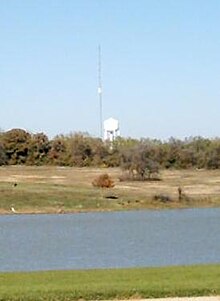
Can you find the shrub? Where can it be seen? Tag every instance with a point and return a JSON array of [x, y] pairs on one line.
[[103, 181], [162, 198], [126, 176]]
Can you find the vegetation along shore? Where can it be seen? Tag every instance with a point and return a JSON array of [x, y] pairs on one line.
[[77, 172]]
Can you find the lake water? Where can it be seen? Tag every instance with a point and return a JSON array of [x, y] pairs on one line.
[[109, 240]]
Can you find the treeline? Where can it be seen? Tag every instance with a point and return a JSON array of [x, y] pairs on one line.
[[21, 147]]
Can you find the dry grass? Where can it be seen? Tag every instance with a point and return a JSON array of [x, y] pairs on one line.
[[65, 189]]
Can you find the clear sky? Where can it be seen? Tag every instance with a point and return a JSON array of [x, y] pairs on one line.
[[160, 66]]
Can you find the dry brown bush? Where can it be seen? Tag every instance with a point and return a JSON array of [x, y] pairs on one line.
[[103, 181]]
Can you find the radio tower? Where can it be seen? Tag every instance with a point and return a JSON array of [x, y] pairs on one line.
[[100, 90]]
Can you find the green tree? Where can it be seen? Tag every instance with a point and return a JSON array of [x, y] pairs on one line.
[[16, 144], [3, 159], [81, 150], [39, 147], [138, 163], [58, 154], [213, 155]]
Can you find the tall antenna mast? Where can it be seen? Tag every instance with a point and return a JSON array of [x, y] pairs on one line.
[[100, 89]]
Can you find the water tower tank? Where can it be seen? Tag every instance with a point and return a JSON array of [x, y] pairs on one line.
[[111, 129]]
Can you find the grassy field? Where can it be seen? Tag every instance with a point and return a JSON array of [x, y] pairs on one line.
[[60, 190], [111, 284]]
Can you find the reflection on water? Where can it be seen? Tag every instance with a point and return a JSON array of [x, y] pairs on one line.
[[116, 239]]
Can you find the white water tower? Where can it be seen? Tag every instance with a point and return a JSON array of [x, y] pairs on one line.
[[111, 129]]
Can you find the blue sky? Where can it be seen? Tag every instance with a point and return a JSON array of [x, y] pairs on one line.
[[160, 66]]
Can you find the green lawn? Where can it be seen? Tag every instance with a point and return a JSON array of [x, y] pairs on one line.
[[111, 284]]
